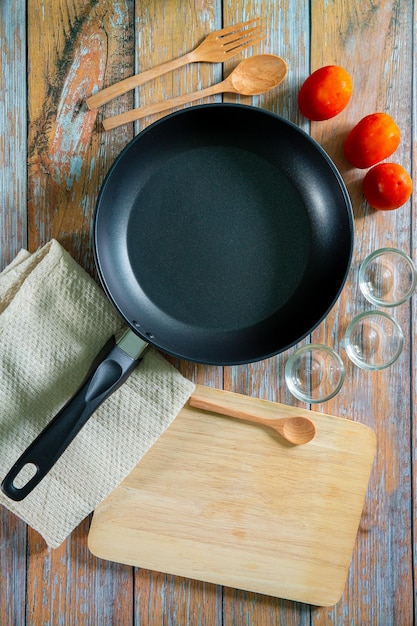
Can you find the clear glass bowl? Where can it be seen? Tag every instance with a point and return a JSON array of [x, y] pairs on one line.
[[314, 373], [373, 340], [387, 277]]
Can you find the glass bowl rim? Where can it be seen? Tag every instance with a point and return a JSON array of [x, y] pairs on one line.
[[308, 348], [371, 257], [345, 343]]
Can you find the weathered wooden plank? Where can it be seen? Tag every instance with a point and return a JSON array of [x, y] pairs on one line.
[[181, 26], [70, 585], [13, 534], [287, 25], [88, 44], [164, 599], [13, 544], [178, 26], [12, 130], [413, 325], [381, 67]]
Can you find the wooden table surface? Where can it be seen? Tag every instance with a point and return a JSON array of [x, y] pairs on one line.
[[54, 155]]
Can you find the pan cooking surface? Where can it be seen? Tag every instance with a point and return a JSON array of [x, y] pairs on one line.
[[223, 234], [223, 262]]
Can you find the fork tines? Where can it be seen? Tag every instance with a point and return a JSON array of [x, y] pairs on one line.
[[241, 35], [253, 35], [237, 27]]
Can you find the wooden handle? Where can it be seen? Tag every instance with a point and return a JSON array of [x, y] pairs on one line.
[[158, 107], [125, 85], [222, 407]]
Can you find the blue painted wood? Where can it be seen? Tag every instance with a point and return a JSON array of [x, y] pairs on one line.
[[13, 533], [13, 223], [382, 73]]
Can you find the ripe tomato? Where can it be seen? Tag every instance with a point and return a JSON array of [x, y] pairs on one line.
[[387, 186], [325, 93], [373, 139]]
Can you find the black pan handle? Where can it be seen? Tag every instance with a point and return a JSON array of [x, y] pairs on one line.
[[110, 369]]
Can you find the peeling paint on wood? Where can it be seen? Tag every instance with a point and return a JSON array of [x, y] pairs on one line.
[[13, 231]]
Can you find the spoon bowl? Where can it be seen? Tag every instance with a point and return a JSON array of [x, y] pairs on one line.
[[297, 430], [257, 74]]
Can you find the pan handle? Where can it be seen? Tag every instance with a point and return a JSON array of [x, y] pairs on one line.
[[110, 369]]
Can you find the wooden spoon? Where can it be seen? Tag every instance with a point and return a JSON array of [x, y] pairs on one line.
[[297, 430], [253, 76]]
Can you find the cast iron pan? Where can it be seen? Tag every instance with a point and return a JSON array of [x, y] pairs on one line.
[[223, 234]]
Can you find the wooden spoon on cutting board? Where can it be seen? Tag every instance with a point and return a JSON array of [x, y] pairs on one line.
[[296, 429]]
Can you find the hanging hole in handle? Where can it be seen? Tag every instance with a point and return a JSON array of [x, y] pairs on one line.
[[25, 475]]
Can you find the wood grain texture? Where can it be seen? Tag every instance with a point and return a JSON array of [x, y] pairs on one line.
[[378, 398], [74, 47], [290, 537], [13, 235], [413, 337], [13, 222], [89, 44], [289, 29], [179, 26]]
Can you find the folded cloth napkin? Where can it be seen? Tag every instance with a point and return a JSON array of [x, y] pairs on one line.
[[53, 321]]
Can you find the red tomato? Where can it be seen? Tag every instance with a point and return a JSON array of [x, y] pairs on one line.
[[325, 93], [387, 186], [373, 139]]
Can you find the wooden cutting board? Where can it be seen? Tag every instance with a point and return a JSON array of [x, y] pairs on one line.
[[228, 502]]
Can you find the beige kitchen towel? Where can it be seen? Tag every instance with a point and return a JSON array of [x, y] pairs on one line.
[[54, 319]]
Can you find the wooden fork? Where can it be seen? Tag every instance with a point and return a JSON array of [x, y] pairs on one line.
[[217, 47]]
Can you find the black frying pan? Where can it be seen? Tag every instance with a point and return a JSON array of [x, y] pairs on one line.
[[223, 234]]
